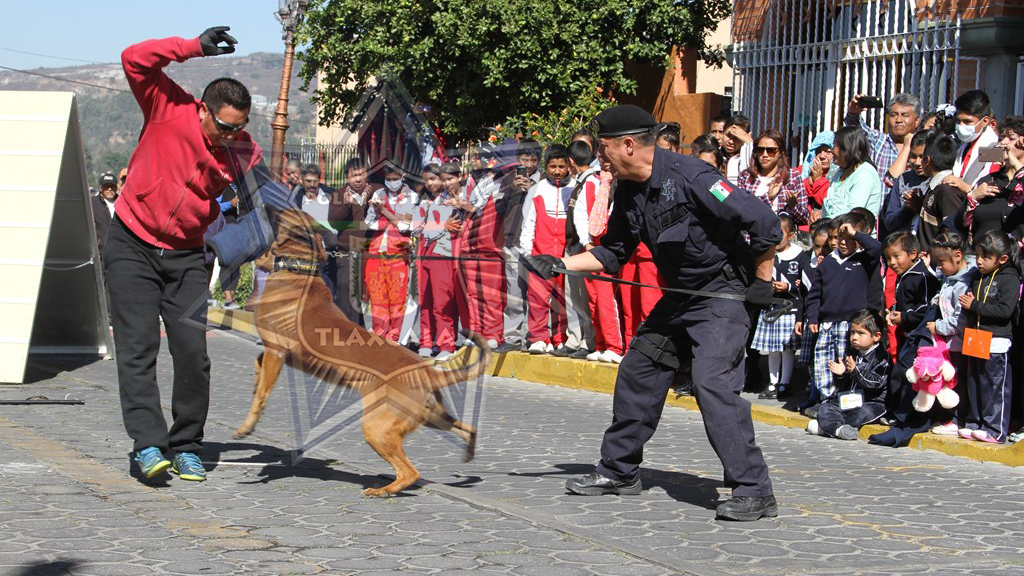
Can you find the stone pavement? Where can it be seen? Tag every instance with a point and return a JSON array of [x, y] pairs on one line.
[[69, 506]]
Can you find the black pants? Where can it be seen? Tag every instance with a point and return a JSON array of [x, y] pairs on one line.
[[147, 284], [710, 333], [831, 417]]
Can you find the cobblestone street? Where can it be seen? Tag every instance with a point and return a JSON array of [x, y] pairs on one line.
[[70, 507]]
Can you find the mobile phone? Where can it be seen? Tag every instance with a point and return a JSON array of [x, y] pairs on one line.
[[990, 154], [870, 102], [523, 171]]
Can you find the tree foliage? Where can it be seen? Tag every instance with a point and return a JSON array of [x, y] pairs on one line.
[[479, 62]]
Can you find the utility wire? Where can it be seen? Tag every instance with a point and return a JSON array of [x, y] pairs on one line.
[[49, 56]]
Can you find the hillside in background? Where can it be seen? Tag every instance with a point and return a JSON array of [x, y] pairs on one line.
[[111, 119]]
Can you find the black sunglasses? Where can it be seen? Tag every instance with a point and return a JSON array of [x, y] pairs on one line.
[[225, 127], [773, 150]]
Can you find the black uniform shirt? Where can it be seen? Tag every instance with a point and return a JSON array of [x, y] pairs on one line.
[[690, 217]]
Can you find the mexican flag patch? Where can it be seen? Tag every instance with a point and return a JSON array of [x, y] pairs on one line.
[[721, 190]]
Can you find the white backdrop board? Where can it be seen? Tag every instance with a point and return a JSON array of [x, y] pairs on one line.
[[51, 282]]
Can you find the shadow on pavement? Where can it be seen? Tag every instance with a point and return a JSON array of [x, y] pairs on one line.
[[44, 568], [278, 464], [680, 486], [40, 367]]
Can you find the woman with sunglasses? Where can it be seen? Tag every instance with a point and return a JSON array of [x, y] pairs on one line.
[[772, 180], [856, 184]]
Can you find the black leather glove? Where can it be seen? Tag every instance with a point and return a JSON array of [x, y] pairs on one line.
[[543, 265], [760, 293], [213, 36]]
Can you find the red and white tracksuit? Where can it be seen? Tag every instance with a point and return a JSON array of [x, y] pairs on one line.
[[604, 305], [544, 233], [437, 278], [637, 302], [387, 267], [483, 270]]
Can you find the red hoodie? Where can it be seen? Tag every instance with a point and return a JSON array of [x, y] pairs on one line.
[[175, 175]]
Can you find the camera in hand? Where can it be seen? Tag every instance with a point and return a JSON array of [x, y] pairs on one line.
[[870, 102]]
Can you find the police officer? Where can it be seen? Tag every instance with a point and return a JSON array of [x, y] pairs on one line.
[[693, 221]]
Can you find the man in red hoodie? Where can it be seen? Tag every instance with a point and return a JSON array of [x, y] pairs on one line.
[[154, 251]]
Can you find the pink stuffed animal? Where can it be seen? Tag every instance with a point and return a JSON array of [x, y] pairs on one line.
[[933, 377]]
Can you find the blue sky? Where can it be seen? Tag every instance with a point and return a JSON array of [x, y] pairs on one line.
[[98, 31]]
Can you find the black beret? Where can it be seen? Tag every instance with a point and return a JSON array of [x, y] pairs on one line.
[[622, 120]]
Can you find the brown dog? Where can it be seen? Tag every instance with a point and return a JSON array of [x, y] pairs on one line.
[[302, 328]]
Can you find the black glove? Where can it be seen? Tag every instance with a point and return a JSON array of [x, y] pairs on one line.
[[760, 293], [213, 36], [543, 265]]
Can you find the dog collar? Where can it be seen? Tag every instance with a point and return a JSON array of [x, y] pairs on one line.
[[307, 267]]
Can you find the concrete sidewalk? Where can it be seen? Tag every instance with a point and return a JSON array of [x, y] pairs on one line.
[[600, 377]]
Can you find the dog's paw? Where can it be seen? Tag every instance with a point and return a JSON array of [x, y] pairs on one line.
[[239, 434], [376, 493]]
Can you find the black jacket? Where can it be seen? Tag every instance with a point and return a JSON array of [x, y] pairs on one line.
[[691, 218], [101, 217], [840, 286], [914, 292], [871, 376], [995, 299]]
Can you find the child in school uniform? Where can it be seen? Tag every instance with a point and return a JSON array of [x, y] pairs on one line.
[[821, 246], [947, 253], [544, 214], [861, 381], [777, 339], [839, 289], [989, 307]]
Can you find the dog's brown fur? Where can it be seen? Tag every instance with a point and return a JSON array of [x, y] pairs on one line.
[[302, 328]]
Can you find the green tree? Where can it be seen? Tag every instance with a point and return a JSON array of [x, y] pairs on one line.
[[480, 62]]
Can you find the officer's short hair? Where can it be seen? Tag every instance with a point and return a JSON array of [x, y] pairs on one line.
[[226, 91], [644, 139], [310, 170]]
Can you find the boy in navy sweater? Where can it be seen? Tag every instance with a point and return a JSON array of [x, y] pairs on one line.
[[916, 285], [839, 288]]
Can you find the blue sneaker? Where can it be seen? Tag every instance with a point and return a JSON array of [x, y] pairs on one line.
[[151, 461], [188, 466]]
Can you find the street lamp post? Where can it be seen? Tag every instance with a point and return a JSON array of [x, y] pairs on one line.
[[290, 14]]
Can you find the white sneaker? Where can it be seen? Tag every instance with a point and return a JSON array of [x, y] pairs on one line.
[[492, 343], [549, 348], [947, 429], [443, 356], [813, 428], [610, 357], [594, 356], [426, 352], [538, 347]]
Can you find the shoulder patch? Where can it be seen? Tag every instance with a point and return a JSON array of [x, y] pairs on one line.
[[721, 190]]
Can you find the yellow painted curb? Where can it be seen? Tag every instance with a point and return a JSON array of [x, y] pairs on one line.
[[600, 377]]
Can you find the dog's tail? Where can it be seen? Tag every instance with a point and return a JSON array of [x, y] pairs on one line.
[[471, 369]]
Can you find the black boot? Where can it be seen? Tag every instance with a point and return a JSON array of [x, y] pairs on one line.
[[747, 508], [595, 484]]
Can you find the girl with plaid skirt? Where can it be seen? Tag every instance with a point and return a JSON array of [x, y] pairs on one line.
[[778, 338]]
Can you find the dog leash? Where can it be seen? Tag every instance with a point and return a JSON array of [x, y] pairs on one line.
[[353, 254], [782, 305]]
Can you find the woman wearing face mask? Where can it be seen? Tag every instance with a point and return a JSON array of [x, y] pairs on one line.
[[771, 179], [388, 220], [856, 183], [996, 202]]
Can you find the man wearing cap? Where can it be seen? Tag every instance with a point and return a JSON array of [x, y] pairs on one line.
[[103, 207], [153, 255], [693, 221]]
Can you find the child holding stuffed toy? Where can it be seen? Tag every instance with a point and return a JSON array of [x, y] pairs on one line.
[[777, 339], [947, 251], [989, 307], [861, 382]]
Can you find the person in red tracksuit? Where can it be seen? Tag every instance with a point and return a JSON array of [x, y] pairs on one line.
[[480, 245], [604, 305], [389, 220], [438, 223], [544, 214], [153, 254]]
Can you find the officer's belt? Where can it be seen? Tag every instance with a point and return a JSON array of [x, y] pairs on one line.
[[781, 305]]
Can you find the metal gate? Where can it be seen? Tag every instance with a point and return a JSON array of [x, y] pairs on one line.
[[797, 63]]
